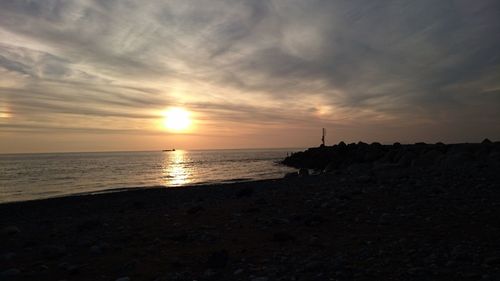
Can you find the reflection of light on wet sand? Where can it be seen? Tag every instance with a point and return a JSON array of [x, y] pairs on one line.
[[174, 172]]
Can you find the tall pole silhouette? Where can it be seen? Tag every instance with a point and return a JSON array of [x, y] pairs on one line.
[[323, 137]]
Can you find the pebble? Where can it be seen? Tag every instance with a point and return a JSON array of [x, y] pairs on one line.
[[53, 252], [492, 260], [11, 230], [8, 256], [282, 237], [209, 273], [238, 271], [96, 250], [218, 259], [11, 272], [260, 279], [73, 269]]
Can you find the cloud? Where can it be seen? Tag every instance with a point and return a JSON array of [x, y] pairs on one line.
[[270, 63]]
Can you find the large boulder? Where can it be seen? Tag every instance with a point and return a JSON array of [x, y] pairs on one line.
[[428, 159], [406, 158], [303, 172]]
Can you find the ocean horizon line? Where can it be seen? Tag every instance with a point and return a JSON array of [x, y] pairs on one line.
[[159, 150]]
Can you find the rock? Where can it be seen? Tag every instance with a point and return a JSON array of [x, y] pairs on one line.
[[218, 259], [372, 154], [330, 167], [125, 278], [313, 266], [179, 237], [95, 250], [384, 218], [314, 241], [177, 263], [195, 210], [129, 266], [72, 269], [314, 220], [11, 272], [303, 172], [53, 251], [486, 141], [282, 237], [359, 169], [364, 179], [460, 253], [492, 260], [245, 192], [428, 159], [8, 256], [139, 205], [238, 271], [89, 224], [416, 270], [260, 279], [208, 273], [406, 159], [10, 230]]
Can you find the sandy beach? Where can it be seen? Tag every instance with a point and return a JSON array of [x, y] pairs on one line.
[[418, 224]]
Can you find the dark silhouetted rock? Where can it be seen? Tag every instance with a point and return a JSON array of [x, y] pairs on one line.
[[407, 159], [260, 279], [218, 259], [179, 237], [11, 272], [194, 210], [245, 192], [10, 230], [89, 224], [303, 172], [428, 159], [486, 141], [53, 251], [282, 237]]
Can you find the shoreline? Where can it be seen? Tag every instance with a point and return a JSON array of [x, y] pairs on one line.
[[142, 188], [224, 183]]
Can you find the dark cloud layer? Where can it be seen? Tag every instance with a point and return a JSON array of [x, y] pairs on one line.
[[428, 65]]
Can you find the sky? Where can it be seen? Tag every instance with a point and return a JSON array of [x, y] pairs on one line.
[[98, 75]]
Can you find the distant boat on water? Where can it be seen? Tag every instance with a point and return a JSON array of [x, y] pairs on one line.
[[168, 150]]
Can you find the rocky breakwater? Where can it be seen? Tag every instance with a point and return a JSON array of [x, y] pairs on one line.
[[398, 160]]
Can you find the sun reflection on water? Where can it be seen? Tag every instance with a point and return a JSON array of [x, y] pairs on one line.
[[4, 112], [174, 171]]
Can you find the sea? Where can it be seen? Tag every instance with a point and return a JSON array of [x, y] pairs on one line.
[[44, 175]]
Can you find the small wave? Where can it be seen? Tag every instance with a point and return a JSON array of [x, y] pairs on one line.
[[235, 180]]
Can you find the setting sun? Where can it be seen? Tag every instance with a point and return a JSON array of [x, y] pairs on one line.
[[177, 119]]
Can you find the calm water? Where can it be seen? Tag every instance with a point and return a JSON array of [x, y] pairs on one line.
[[32, 176]]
